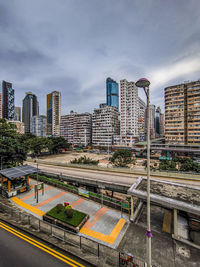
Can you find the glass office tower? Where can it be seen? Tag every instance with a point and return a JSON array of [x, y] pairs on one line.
[[8, 101], [30, 108], [112, 93]]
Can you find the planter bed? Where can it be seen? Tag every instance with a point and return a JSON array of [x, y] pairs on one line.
[[60, 219]]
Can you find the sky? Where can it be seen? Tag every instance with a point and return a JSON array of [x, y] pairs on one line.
[[72, 46]]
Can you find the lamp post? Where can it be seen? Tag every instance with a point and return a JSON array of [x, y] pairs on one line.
[[144, 83]]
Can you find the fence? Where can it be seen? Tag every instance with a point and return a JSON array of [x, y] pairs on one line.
[[102, 252]]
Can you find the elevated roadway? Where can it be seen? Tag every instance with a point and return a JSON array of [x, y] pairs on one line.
[[119, 182]]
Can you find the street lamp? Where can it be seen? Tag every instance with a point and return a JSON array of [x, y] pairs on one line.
[[144, 83]]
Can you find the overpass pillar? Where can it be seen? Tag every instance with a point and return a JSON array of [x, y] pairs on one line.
[[175, 223], [132, 208]]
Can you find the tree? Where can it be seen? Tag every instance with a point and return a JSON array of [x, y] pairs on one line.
[[55, 144], [69, 211], [37, 144], [13, 151], [122, 158]]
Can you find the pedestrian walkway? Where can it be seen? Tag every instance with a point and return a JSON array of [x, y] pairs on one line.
[[105, 225]]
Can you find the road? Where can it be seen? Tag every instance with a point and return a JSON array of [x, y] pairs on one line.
[[18, 249], [125, 179]]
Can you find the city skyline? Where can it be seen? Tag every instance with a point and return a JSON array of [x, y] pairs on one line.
[[73, 47]]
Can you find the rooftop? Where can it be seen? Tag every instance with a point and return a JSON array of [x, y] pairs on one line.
[[15, 172]]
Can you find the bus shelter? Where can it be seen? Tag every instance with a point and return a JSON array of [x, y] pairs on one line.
[[15, 180]]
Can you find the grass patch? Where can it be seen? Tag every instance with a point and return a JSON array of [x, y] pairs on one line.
[[74, 221]]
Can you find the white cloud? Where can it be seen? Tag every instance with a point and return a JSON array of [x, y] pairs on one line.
[[168, 73]]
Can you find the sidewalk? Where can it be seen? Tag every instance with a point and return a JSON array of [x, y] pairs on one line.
[[104, 226]]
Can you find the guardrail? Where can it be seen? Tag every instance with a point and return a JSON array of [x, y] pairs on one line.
[[102, 252]]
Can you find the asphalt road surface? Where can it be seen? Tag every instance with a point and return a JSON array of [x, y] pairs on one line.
[[126, 179], [19, 250]]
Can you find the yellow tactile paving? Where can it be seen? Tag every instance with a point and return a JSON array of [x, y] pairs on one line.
[[110, 239], [106, 238], [27, 206]]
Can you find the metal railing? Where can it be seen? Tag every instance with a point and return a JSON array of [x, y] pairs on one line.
[[121, 205], [104, 253]]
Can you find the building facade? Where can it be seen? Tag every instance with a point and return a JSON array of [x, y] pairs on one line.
[[76, 128], [162, 124], [8, 101], [38, 125], [129, 110], [152, 113], [112, 93], [30, 108], [19, 126], [53, 113], [17, 116], [105, 124], [141, 119], [157, 122], [182, 113]]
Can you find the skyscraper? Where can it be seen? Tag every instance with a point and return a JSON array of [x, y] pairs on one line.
[[129, 109], [30, 108], [8, 100], [53, 113], [112, 93], [182, 109]]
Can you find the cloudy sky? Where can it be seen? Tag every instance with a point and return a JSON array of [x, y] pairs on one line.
[[73, 45]]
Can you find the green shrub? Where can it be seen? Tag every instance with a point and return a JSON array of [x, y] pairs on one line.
[[59, 208], [69, 211], [84, 160]]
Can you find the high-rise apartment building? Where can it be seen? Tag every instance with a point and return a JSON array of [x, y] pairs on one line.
[[38, 125], [129, 110], [162, 124], [53, 113], [141, 119], [76, 128], [112, 93], [182, 113], [17, 116], [30, 108], [0, 106], [157, 122], [66, 127], [105, 124], [8, 100], [152, 113]]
